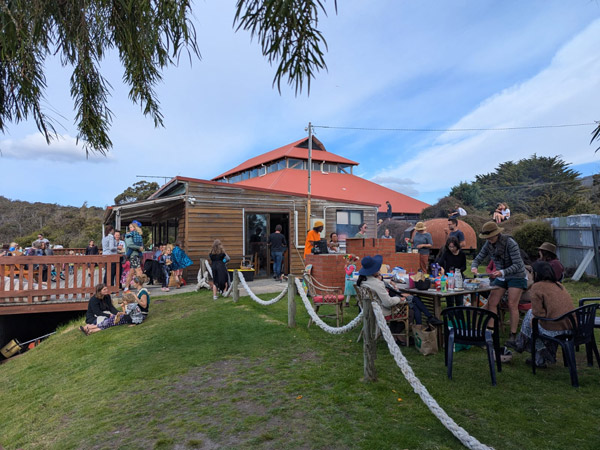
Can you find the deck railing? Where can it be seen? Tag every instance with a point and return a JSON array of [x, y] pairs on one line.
[[34, 279]]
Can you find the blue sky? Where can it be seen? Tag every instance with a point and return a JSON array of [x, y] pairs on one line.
[[392, 64]]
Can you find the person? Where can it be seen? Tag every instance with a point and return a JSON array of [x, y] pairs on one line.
[[457, 212], [109, 247], [180, 261], [450, 259], [100, 306], [40, 239], [334, 244], [134, 245], [130, 314], [349, 269], [143, 296], [549, 299], [386, 234], [164, 261], [509, 274], [218, 259], [453, 231], [389, 209], [362, 231], [505, 212], [415, 303], [547, 252], [313, 235], [91, 249], [278, 245], [423, 242]]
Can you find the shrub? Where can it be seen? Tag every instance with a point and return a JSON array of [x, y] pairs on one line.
[[531, 235]]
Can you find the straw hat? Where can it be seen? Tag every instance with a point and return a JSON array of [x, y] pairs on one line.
[[370, 265], [550, 248], [420, 226], [490, 229], [318, 224]]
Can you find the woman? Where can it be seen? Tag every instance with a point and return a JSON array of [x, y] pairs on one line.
[[180, 261], [549, 299], [142, 294], [386, 234], [334, 244], [218, 258], [547, 252], [509, 273], [498, 214], [130, 314], [100, 306], [423, 242], [453, 258], [134, 247], [368, 275]]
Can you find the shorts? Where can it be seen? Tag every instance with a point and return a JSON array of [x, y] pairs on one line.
[[135, 262], [520, 283]]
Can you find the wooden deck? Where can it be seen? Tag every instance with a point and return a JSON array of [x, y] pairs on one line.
[[33, 284]]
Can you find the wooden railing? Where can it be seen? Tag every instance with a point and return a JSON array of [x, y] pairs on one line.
[[66, 251], [34, 279]]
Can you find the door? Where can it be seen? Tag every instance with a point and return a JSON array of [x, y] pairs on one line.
[[258, 228]]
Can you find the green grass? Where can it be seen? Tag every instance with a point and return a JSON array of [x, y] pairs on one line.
[[206, 374]]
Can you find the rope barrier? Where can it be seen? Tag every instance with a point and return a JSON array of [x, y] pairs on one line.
[[460, 433], [317, 320], [228, 291], [255, 298]]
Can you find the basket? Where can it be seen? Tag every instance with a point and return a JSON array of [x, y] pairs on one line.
[[423, 285]]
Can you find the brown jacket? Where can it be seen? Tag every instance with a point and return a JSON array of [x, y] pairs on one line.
[[550, 300]]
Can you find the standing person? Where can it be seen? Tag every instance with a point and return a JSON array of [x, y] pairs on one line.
[[41, 238], [180, 261], [121, 252], [100, 306], [109, 247], [134, 246], [509, 274], [333, 246], [389, 210], [218, 259], [278, 245], [313, 235], [423, 242], [547, 252], [91, 250], [450, 259], [362, 231], [455, 232], [45, 250]]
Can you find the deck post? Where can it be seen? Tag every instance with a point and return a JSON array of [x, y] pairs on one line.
[[291, 301], [369, 347], [235, 286]]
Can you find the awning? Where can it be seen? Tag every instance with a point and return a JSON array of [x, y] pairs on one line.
[[144, 211]]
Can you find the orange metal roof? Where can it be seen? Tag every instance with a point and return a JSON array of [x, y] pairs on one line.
[[337, 186], [291, 151]]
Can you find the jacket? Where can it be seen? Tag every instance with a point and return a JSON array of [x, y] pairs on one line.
[[506, 256]]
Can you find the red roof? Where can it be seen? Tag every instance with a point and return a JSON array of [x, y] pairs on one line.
[[337, 186], [292, 150]]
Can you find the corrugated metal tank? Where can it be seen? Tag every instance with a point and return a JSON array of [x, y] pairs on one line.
[[438, 228]]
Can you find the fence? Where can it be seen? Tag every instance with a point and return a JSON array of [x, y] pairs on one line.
[[33, 279], [577, 238]]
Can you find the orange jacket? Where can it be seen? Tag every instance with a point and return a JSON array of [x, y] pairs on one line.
[[308, 245]]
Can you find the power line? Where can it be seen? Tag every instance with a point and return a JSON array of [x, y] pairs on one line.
[[532, 127]]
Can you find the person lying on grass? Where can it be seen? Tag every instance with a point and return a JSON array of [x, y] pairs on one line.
[[130, 314]]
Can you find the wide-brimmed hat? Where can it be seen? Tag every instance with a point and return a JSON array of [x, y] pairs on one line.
[[370, 265], [490, 229], [318, 224], [420, 226], [550, 248]]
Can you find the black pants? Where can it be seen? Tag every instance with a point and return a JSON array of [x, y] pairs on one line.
[[113, 275]]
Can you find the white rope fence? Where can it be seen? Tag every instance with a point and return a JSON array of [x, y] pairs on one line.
[[460, 433], [228, 291], [316, 319], [255, 298]]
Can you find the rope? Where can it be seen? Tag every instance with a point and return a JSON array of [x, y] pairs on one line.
[[316, 319], [208, 267], [228, 291], [460, 433], [255, 298]]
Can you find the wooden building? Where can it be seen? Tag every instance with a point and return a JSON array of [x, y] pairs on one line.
[[196, 212]]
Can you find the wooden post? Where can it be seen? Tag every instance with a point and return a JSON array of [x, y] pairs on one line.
[[596, 253], [291, 301], [234, 287], [369, 347]]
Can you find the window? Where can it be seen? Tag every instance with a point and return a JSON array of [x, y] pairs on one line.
[[245, 174], [316, 165], [347, 223], [330, 167], [281, 164], [345, 168], [272, 167], [254, 173], [296, 163]]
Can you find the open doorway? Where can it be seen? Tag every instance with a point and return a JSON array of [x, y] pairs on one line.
[[258, 228]]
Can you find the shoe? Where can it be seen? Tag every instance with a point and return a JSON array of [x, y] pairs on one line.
[[83, 331], [434, 321], [215, 297], [511, 343]]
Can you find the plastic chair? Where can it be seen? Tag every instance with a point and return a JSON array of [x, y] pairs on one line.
[[324, 295], [469, 326], [585, 300], [581, 331], [399, 313]]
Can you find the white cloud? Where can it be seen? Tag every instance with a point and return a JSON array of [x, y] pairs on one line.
[[405, 186], [63, 148]]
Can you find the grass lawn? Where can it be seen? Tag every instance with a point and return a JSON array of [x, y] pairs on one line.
[[217, 374]]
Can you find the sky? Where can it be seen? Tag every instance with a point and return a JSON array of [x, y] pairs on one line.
[[392, 65]]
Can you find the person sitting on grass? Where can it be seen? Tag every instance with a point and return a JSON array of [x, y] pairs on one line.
[[549, 299], [130, 314], [143, 295], [100, 306]]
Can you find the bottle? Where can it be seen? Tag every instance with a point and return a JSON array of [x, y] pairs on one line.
[[443, 283], [458, 281], [409, 247], [450, 281]]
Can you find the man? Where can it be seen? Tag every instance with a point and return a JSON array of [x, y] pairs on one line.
[[454, 231], [313, 235], [278, 245], [362, 231], [41, 239], [389, 209], [109, 247], [423, 242]]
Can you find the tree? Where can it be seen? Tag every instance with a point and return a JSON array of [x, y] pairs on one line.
[[139, 191], [148, 35]]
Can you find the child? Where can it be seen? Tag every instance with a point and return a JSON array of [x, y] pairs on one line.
[[125, 274], [350, 268], [165, 262], [130, 314]]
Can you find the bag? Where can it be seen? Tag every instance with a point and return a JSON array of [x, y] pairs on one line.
[[425, 339], [173, 281]]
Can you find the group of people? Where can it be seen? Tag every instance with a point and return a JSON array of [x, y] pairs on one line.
[[501, 213]]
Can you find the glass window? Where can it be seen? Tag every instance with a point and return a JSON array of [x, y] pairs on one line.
[[347, 223], [271, 168], [295, 163], [345, 168], [245, 174], [316, 165], [281, 164], [254, 173]]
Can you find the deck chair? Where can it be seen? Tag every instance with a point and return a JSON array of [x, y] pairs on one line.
[[585, 300], [581, 321], [322, 295], [399, 313]]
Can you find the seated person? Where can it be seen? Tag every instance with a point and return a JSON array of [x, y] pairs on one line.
[[415, 303], [505, 213], [498, 213], [100, 306], [450, 259], [386, 234], [549, 299], [334, 244], [547, 252], [130, 314]]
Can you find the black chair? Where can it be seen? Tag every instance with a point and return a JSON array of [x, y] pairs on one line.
[[469, 326], [583, 301], [581, 331]]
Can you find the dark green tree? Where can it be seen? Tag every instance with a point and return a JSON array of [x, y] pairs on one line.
[[139, 191], [148, 35]]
